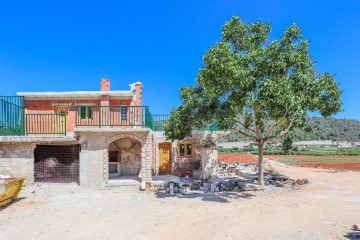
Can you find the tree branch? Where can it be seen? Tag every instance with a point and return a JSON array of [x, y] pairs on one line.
[[283, 132], [273, 127], [258, 133], [242, 124], [245, 134]]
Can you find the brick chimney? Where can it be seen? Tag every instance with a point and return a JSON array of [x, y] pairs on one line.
[[138, 93], [105, 84]]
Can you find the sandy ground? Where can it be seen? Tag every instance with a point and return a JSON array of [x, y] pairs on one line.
[[324, 209]]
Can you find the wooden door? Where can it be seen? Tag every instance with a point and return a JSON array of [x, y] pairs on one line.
[[60, 121], [165, 158]]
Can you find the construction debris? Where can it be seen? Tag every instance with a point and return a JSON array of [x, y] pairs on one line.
[[243, 177], [357, 227], [355, 234]]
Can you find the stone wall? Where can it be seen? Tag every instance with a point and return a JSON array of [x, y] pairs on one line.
[[17, 160], [209, 161], [94, 157], [189, 164], [129, 156]]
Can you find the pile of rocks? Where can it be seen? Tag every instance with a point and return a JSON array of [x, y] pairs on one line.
[[355, 234], [288, 182], [248, 181]]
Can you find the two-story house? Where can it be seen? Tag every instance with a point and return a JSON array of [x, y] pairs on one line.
[[91, 137]]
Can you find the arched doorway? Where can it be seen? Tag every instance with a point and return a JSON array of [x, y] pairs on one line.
[[125, 158]]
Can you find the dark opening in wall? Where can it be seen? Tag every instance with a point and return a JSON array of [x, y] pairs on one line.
[[57, 163]]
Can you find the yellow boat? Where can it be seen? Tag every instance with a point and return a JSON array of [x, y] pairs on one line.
[[10, 189]]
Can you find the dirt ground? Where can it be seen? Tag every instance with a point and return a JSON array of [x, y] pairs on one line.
[[340, 163], [324, 209], [239, 158]]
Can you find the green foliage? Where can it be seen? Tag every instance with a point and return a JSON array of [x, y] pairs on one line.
[[259, 89], [338, 152], [232, 150], [287, 144], [352, 151], [317, 129], [308, 160], [313, 153]]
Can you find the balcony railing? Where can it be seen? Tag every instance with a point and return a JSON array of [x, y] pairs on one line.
[[112, 116], [14, 121], [158, 123], [45, 124], [11, 116]]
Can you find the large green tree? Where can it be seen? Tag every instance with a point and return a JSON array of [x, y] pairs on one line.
[[259, 88]]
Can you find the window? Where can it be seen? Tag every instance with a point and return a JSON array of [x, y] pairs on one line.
[[113, 155], [123, 113], [185, 149], [86, 112]]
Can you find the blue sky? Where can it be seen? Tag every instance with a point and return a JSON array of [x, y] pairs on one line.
[[71, 45]]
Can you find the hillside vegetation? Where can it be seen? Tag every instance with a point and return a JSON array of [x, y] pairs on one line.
[[321, 129]]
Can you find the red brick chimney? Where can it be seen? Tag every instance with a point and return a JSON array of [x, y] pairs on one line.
[[105, 84], [138, 93]]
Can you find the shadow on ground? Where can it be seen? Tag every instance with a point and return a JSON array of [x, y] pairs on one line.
[[220, 197], [18, 199]]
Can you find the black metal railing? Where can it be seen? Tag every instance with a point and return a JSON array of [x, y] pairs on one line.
[[111, 116]]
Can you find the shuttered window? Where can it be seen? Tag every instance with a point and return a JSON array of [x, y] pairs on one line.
[[86, 112]]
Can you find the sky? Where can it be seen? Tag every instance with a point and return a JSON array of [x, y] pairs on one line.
[[70, 45]]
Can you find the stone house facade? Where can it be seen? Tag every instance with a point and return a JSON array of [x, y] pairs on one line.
[[92, 137]]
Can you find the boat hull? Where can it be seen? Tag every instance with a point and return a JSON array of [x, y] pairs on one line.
[[10, 190]]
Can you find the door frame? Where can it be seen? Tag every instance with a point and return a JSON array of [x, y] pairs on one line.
[[169, 146], [66, 113]]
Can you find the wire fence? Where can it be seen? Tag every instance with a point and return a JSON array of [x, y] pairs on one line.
[[56, 163]]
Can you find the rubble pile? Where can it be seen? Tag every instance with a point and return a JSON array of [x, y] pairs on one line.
[[240, 178]]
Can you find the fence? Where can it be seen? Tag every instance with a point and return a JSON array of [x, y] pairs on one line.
[[112, 116], [158, 122], [45, 124], [56, 163], [11, 116]]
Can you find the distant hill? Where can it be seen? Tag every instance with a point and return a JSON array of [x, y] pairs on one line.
[[321, 129]]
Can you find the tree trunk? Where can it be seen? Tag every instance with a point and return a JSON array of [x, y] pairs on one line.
[[261, 164]]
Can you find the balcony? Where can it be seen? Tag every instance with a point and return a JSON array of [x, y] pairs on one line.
[[14, 121], [112, 116], [45, 124]]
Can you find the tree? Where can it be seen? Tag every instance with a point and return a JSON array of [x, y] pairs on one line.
[[286, 145], [260, 89]]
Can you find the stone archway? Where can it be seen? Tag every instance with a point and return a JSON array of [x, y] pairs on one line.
[[126, 142]]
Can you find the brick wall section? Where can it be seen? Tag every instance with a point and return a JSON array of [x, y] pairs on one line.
[[120, 102], [138, 94], [17, 160], [105, 84], [48, 107]]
